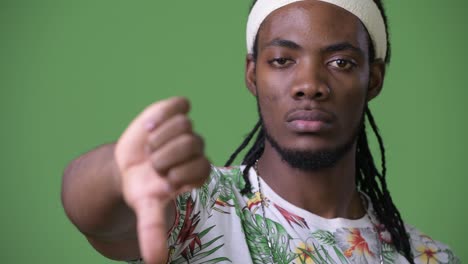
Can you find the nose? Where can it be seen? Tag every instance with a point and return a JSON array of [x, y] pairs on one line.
[[310, 83]]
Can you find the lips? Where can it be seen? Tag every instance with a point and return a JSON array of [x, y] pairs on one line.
[[309, 121], [309, 115]]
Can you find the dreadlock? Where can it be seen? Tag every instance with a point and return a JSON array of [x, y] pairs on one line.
[[369, 179]]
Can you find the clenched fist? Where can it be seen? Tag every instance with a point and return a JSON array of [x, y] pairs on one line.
[[159, 157]]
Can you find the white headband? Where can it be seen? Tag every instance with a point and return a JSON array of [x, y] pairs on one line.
[[366, 10]]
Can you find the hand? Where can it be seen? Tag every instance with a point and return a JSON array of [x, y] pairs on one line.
[[159, 157]]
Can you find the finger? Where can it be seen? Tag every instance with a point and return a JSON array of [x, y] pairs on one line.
[[190, 174], [177, 151], [172, 128], [131, 146], [155, 116], [152, 230]]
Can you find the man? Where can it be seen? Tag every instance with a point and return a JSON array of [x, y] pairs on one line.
[[308, 191]]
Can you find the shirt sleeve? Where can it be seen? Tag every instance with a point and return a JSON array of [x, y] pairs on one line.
[[427, 250]]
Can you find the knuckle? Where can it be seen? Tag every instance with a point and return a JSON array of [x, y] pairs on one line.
[[152, 138], [204, 169], [207, 165], [189, 140], [183, 123], [157, 162], [175, 179], [201, 142], [199, 182], [161, 107], [203, 177], [181, 101]]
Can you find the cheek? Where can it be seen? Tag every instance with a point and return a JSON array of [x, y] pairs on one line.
[[270, 99], [270, 91], [350, 102], [268, 106], [352, 88], [273, 86]]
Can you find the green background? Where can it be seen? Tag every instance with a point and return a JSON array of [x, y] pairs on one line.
[[74, 73]]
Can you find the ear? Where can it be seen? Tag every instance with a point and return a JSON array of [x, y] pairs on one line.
[[376, 79], [250, 77]]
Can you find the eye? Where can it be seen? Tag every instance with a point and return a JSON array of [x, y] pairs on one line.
[[342, 64], [280, 62]]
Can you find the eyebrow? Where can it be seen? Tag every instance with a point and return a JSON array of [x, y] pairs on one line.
[[342, 46], [284, 43]]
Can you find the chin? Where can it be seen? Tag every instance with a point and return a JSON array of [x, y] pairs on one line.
[[311, 155], [308, 144], [311, 160]]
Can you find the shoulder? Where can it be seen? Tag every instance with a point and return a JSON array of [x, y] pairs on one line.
[[427, 250], [231, 176], [232, 170], [222, 180]]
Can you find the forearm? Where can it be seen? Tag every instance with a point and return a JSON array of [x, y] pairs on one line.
[[92, 198]]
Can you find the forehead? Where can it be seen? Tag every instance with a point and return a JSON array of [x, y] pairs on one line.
[[313, 22]]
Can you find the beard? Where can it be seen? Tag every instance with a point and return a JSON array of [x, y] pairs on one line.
[[313, 160]]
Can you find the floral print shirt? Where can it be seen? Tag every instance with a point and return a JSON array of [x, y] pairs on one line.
[[217, 224]]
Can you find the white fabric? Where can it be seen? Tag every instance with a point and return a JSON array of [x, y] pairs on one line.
[[366, 10], [218, 224]]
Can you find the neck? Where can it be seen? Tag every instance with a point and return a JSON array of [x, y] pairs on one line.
[[329, 193]]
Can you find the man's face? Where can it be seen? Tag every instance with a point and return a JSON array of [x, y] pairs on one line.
[[312, 76]]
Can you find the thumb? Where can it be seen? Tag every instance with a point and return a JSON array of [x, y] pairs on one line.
[[151, 226]]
